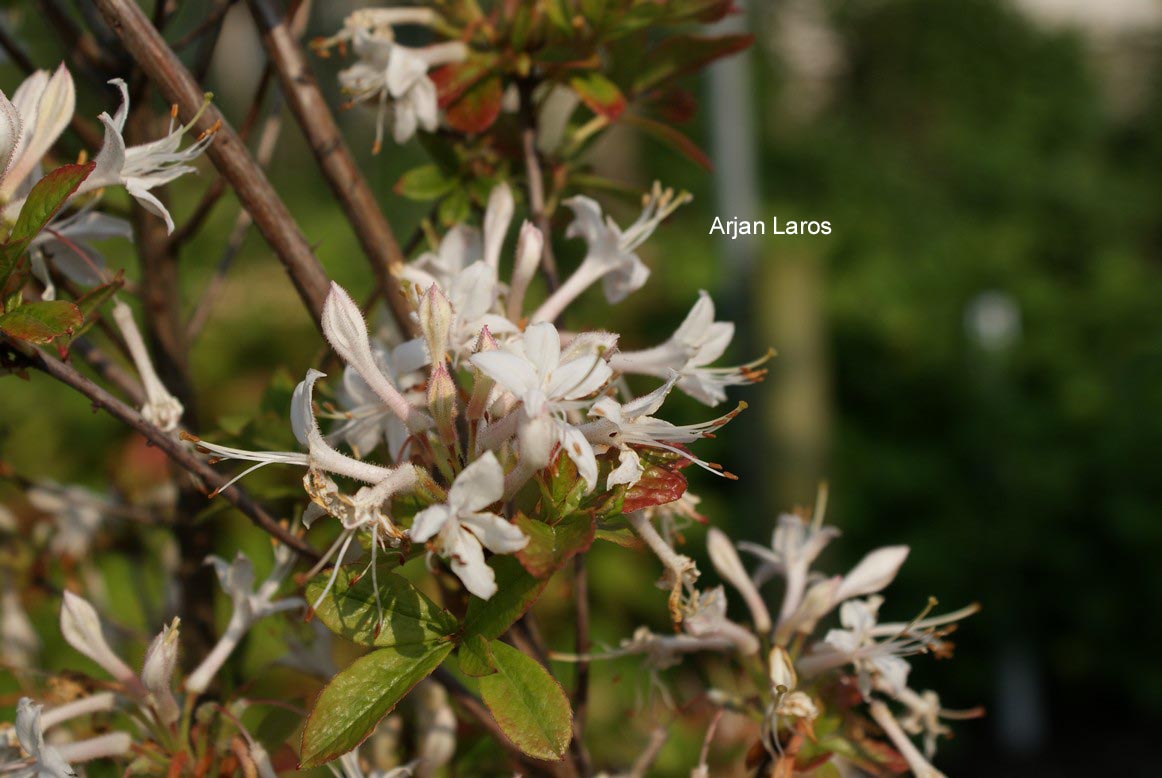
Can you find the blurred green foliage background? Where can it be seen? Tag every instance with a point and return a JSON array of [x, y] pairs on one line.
[[961, 151]]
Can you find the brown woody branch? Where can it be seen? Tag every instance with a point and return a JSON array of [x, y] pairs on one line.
[[314, 118], [227, 152], [175, 450]]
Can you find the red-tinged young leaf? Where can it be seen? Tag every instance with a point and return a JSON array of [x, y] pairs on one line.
[[356, 699], [705, 11], [549, 547], [672, 138], [528, 703], [92, 300], [455, 79], [674, 105], [678, 55], [41, 322], [599, 94], [658, 486], [43, 202], [476, 109]]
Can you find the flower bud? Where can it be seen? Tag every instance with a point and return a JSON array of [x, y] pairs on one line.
[[482, 385], [157, 672], [442, 401], [497, 217], [782, 671], [435, 314], [529, 248], [81, 628], [729, 566]]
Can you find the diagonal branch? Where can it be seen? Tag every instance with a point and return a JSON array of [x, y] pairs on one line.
[[177, 452], [227, 152], [333, 157]]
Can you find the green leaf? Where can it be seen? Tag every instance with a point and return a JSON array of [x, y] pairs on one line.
[[550, 546], [45, 199], [455, 208], [423, 183], [355, 700], [349, 609], [528, 703], [678, 55], [516, 592], [41, 322], [93, 299], [477, 108], [476, 657], [599, 94], [563, 491]]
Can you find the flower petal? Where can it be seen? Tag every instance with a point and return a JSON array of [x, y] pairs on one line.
[[477, 486]]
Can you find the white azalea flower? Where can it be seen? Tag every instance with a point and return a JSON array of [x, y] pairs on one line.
[[47, 761], [633, 424], [547, 381], [65, 244], [463, 529], [697, 342], [388, 71], [365, 420], [161, 408], [705, 617], [877, 663], [250, 605], [30, 124], [77, 514], [142, 168], [611, 257], [795, 545], [320, 455]]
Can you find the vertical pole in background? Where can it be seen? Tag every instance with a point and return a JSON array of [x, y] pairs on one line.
[[734, 150]]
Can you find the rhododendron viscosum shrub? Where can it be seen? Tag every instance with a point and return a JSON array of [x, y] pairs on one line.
[[438, 471]]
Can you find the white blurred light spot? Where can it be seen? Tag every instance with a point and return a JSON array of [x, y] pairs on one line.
[[993, 320]]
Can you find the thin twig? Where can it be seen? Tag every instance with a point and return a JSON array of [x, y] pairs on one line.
[[314, 118], [213, 19], [641, 767], [109, 370], [536, 183], [213, 194], [175, 450], [581, 646], [267, 142], [227, 152]]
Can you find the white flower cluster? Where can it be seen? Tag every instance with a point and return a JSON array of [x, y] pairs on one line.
[[490, 394], [152, 695], [388, 73], [801, 665], [30, 124]]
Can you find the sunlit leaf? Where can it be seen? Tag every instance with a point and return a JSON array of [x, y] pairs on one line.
[[423, 183], [355, 700], [517, 591], [528, 703], [350, 610], [41, 322]]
